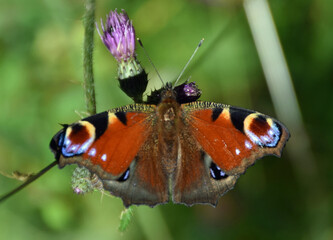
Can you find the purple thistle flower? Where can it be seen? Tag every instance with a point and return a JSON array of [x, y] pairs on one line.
[[191, 89], [118, 35], [187, 92]]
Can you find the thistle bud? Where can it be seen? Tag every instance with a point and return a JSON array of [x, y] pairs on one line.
[[118, 35]]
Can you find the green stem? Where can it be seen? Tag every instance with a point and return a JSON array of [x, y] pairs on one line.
[[88, 46], [28, 181]]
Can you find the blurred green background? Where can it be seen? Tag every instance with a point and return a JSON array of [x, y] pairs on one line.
[[41, 86]]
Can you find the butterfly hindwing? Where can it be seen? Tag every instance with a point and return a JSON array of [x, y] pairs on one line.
[[147, 183], [193, 182]]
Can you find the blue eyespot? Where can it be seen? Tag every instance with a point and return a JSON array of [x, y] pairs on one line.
[[216, 172]]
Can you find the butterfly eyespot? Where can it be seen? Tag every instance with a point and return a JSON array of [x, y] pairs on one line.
[[216, 172], [125, 176], [76, 139], [262, 131]]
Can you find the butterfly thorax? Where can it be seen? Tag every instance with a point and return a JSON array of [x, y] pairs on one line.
[[168, 112]]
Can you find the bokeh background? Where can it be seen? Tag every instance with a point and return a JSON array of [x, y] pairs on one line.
[[41, 86]]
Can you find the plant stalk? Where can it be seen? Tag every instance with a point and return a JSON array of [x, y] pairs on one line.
[[88, 47]]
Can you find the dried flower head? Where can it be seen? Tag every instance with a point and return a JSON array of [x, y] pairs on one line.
[[84, 182]]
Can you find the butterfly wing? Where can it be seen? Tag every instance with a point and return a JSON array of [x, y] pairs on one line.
[[118, 146], [218, 143], [192, 181]]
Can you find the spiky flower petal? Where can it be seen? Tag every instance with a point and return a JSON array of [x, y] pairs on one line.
[[118, 35], [191, 89]]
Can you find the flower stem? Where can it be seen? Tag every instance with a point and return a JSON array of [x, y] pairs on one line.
[[88, 46]]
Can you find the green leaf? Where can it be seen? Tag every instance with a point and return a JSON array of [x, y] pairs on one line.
[[125, 218]]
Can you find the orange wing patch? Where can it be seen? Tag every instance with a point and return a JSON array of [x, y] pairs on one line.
[[220, 139], [120, 143]]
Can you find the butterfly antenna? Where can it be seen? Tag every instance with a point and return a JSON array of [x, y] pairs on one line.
[[151, 62], [28, 181], [188, 62]]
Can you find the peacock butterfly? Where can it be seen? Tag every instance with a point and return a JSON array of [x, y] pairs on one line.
[[172, 147]]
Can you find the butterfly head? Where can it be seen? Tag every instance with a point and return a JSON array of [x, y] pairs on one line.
[[168, 92], [183, 93]]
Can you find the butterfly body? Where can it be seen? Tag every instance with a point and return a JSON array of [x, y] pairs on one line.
[[150, 153]]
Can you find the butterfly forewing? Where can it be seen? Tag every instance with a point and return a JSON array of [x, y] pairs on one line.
[[120, 147], [234, 137]]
